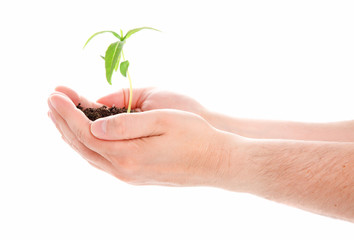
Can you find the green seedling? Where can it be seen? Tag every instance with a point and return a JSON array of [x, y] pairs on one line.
[[114, 54]]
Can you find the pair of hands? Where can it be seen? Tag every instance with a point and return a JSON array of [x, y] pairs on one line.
[[168, 142]]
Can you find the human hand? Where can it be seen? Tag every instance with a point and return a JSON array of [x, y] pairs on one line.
[[146, 99], [165, 147]]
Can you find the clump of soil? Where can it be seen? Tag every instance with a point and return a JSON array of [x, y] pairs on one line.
[[104, 111]]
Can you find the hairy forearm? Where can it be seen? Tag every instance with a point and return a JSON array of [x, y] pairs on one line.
[[314, 176], [268, 129]]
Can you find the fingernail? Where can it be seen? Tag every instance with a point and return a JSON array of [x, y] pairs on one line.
[[50, 115], [99, 128], [53, 102]]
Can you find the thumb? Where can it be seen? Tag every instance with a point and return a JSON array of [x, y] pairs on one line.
[[129, 126]]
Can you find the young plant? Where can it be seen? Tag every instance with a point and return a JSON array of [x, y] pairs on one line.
[[113, 55]]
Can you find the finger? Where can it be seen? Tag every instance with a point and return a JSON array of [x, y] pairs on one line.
[[72, 141], [131, 126], [120, 99], [75, 120], [51, 116], [76, 98], [91, 157], [79, 124]]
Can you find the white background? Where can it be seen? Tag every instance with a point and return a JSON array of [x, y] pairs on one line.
[[261, 59]]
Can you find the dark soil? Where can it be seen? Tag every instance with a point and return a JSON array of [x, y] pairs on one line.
[[104, 111]]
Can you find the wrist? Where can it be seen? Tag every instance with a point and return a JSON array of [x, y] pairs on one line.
[[237, 167], [215, 120], [223, 122]]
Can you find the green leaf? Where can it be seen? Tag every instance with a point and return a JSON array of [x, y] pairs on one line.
[[124, 68], [111, 58], [114, 33], [121, 34], [117, 64], [102, 57], [135, 30]]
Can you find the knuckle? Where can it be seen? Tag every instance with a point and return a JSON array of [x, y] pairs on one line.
[[127, 165], [164, 119], [78, 147], [118, 125], [160, 121], [128, 170], [81, 136], [127, 174]]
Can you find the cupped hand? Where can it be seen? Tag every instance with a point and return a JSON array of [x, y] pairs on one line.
[[146, 99], [165, 147]]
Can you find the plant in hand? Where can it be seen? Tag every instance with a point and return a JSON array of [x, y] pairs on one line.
[[112, 58]]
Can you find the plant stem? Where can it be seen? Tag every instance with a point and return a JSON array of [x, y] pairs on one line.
[[130, 93], [130, 88]]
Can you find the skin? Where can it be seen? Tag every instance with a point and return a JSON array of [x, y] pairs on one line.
[[174, 141]]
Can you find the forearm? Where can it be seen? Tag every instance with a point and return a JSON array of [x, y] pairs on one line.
[[314, 176], [268, 129]]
